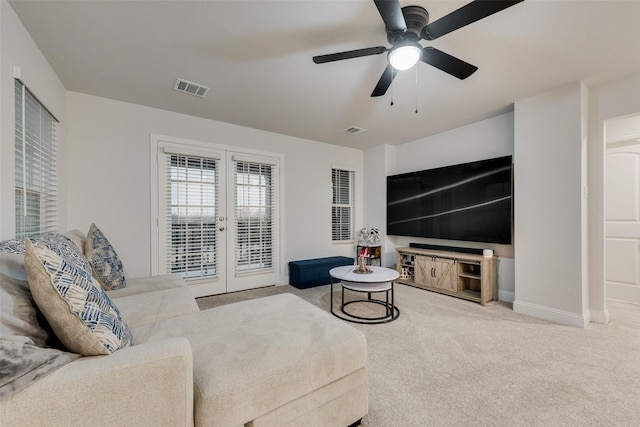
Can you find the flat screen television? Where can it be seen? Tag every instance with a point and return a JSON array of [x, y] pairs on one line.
[[469, 202]]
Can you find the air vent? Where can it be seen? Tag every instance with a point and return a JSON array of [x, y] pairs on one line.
[[353, 130], [191, 88]]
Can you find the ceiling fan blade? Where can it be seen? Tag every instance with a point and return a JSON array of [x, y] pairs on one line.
[[349, 54], [447, 63], [391, 14], [466, 15], [384, 82]]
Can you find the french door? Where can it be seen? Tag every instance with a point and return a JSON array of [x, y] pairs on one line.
[[217, 217]]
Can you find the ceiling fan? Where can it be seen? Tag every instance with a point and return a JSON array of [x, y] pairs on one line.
[[408, 25]]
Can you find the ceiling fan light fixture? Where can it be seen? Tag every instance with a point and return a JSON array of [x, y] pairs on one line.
[[405, 56]]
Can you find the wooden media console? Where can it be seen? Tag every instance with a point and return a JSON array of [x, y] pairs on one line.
[[469, 276]]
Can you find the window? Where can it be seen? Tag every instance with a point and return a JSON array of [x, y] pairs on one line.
[[35, 165], [193, 211], [254, 216], [343, 205]]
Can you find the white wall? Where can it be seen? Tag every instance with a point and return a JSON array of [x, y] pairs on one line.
[[17, 49], [623, 128], [109, 181], [485, 139], [379, 162], [548, 199], [481, 140]]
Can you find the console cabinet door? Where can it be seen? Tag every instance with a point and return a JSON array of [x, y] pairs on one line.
[[423, 270], [436, 273]]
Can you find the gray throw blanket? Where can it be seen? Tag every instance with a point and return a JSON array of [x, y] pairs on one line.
[[22, 362]]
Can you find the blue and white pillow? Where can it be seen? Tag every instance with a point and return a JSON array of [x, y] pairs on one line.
[[58, 243], [20, 314], [107, 267], [81, 314]]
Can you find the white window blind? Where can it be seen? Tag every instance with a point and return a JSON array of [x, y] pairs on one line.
[[35, 165], [193, 210], [343, 205], [254, 215]]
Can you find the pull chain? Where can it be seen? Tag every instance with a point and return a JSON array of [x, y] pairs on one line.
[[416, 88], [392, 71]]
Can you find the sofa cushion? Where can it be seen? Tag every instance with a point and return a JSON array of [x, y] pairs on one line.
[[106, 264], [152, 307], [142, 285], [77, 237], [301, 348], [80, 313]]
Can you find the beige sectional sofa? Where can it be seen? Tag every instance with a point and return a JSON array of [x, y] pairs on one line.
[[272, 361]]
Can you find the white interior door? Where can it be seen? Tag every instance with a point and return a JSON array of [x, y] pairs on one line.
[[623, 221]]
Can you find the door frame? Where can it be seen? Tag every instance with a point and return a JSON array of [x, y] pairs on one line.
[[155, 141]]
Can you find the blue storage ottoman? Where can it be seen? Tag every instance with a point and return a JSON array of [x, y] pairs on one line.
[[308, 273]]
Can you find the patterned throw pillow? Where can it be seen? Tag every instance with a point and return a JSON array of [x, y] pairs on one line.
[[19, 314], [107, 267], [79, 311], [25, 335], [58, 243]]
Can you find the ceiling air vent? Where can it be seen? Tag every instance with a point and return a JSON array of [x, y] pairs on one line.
[[353, 130], [191, 88]]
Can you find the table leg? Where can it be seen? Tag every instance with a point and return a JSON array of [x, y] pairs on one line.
[[331, 298], [392, 299], [386, 304]]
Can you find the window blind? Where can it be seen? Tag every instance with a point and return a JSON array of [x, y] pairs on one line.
[[343, 205], [254, 215], [35, 165], [192, 212]]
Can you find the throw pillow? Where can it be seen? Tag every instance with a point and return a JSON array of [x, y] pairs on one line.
[[29, 349], [20, 315], [107, 267], [58, 243], [79, 311]]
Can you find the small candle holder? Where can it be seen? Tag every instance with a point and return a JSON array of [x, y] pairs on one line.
[[362, 267]]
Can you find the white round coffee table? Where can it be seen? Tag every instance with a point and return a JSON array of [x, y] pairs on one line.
[[381, 279]]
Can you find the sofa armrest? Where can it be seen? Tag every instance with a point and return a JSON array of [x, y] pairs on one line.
[[147, 384]]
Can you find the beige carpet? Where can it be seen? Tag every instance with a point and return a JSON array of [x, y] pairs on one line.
[[449, 362]]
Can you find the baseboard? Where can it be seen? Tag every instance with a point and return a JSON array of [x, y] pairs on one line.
[[599, 316], [623, 292], [551, 314], [506, 296]]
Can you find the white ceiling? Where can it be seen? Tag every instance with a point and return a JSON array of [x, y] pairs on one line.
[[256, 58]]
